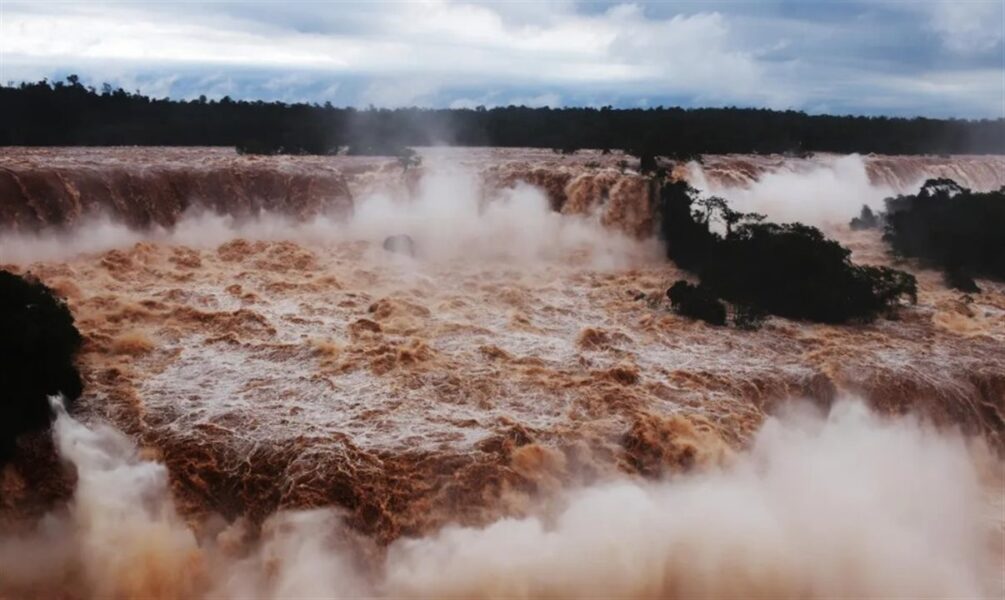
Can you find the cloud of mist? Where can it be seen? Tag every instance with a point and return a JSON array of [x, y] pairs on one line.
[[120, 536], [823, 192], [98, 234], [449, 217], [846, 504]]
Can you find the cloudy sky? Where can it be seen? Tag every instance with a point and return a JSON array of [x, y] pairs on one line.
[[894, 57]]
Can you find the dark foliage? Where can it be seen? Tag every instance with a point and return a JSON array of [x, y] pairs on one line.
[[793, 271], [378, 149], [409, 158], [748, 317], [867, 219], [961, 280], [258, 146], [687, 236], [68, 113], [647, 163], [789, 270], [950, 227], [287, 143], [697, 302], [38, 341]]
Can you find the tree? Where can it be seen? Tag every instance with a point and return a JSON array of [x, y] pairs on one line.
[[950, 227], [687, 236], [408, 158], [790, 270], [38, 342], [697, 302], [867, 219]]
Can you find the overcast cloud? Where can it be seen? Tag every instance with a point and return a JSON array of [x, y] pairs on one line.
[[937, 58]]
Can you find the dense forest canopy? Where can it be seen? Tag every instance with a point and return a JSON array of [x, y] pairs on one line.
[[68, 113]]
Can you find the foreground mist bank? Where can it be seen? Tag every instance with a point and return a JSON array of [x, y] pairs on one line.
[[67, 113], [843, 504]]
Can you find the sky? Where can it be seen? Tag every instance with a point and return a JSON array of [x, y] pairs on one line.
[[940, 58]]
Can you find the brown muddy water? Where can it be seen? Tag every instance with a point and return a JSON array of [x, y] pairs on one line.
[[276, 406]]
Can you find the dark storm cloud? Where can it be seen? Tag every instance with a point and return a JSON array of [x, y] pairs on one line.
[[943, 57]]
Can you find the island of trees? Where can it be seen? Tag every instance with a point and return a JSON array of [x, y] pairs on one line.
[[948, 227], [757, 268]]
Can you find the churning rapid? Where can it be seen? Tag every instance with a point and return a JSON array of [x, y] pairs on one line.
[[278, 403]]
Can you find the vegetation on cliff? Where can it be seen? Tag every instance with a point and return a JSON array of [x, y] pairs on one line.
[[790, 270], [38, 341], [950, 227]]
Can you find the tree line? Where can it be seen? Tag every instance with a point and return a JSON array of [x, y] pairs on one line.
[[68, 113]]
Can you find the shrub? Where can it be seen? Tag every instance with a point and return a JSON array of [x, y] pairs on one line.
[[379, 149], [686, 234], [747, 317], [408, 157], [867, 219], [697, 302], [961, 280], [38, 341], [287, 138], [647, 163], [258, 147]]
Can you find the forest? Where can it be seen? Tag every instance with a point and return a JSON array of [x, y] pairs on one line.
[[60, 113]]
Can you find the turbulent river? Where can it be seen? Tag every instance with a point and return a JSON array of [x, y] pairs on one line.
[[277, 406]]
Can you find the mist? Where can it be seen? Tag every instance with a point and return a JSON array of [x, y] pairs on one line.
[[822, 505], [466, 299], [845, 505], [826, 192], [449, 216], [461, 204]]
